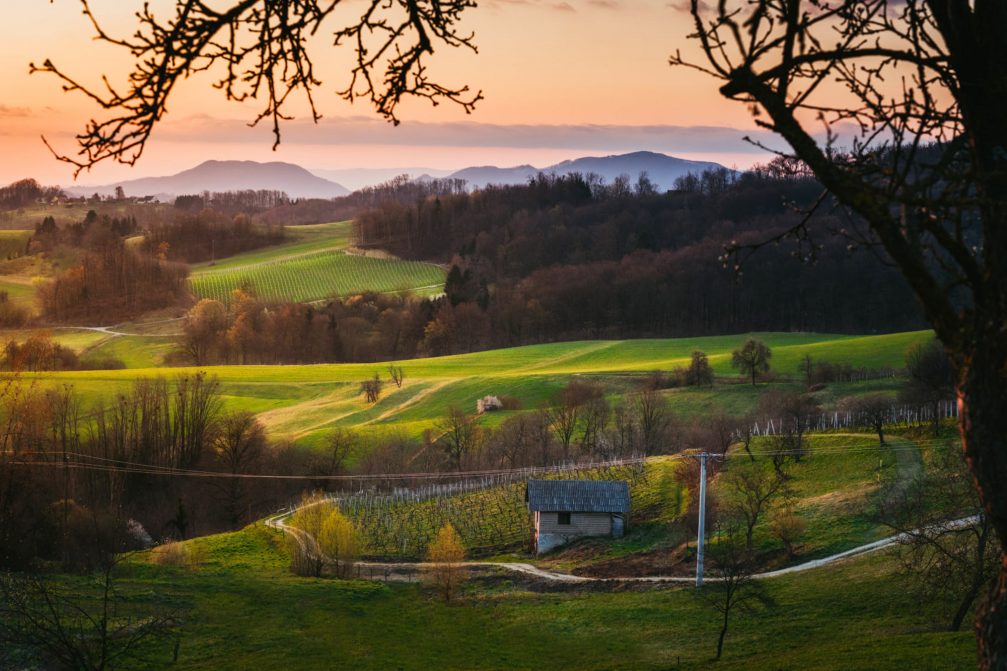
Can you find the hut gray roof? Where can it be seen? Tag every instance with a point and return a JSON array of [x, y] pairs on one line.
[[580, 496]]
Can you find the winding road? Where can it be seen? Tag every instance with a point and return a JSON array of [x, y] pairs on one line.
[[278, 521]]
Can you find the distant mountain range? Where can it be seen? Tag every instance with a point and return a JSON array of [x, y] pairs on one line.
[[662, 169], [297, 182], [218, 176]]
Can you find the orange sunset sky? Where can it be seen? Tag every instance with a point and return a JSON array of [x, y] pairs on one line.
[[562, 78]]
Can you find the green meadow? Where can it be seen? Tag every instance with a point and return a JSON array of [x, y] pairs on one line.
[[242, 608], [315, 264], [302, 402]]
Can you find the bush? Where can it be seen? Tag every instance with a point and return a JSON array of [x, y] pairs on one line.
[[699, 373], [12, 315], [788, 528], [511, 403], [38, 353], [103, 363], [339, 541], [446, 554]]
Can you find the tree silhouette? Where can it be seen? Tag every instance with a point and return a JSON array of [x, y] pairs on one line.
[[263, 49], [911, 96]]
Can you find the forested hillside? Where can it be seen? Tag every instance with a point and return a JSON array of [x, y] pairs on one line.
[[566, 257]]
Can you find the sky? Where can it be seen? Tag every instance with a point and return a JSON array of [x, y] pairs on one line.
[[561, 79]]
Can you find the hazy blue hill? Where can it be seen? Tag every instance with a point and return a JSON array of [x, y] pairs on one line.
[[292, 179], [662, 169]]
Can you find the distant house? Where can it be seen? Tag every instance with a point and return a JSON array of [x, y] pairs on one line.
[[566, 509]]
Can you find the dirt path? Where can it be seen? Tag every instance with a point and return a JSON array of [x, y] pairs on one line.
[[112, 330], [411, 401], [278, 521]]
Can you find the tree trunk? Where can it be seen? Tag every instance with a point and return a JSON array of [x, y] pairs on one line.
[[723, 631], [982, 406], [977, 581]]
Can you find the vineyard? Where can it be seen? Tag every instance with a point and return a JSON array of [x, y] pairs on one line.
[[13, 243], [317, 276], [489, 513]]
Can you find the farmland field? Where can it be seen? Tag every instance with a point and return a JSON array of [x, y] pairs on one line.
[[303, 402], [315, 265]]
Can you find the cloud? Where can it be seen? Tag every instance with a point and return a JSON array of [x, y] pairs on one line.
[[368, 131], [604, 4], [685, 6], [10, 112], [563, 7]]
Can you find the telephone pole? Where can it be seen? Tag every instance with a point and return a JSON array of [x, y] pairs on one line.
[[703, 456]]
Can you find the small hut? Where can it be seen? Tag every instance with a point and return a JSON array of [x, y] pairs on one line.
[[566, 509]]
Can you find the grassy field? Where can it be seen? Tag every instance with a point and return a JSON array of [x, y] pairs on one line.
[[303, 402], [243, 609], [314, 265]]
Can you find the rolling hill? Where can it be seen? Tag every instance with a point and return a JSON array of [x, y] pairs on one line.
[[218, 176], [314, 265], [662, 169]]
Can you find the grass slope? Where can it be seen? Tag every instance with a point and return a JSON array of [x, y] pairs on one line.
[[302, 402], [314, 265], [243, 609]]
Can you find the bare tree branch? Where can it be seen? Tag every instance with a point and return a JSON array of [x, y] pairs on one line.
[[263, 49]]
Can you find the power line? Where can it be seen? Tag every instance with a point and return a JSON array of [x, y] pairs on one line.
[[85, 461]]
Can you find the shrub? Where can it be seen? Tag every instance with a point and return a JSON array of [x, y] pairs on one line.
[[788, 528], [446, 554], [339, 541], [511, 403], [699, 373]]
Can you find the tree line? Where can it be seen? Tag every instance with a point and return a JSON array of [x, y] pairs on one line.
[[571, 257]]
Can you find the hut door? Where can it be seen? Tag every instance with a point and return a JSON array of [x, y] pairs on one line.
[[617, 526]]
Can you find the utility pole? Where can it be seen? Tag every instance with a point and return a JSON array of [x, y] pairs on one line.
[[702, 518]]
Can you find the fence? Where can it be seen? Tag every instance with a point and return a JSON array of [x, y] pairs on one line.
[[897, 415], [488, 510]]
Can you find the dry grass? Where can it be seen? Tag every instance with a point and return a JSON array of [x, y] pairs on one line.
[[181, 555]]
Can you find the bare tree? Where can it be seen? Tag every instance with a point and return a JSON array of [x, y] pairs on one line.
[[732, 589], [752, 489], [794, 412], [723, 431], [50, 625], [396, 375], [459, 436], [653, 420], [331, 460], [594, 420], [239, 444], [807, 367], [930, 379], [567, 411], [922, 165], [262, 49], [948, 547], [371, 389], [873, 409]]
